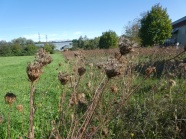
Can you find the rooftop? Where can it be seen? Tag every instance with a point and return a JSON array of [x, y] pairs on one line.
[[179, 20]]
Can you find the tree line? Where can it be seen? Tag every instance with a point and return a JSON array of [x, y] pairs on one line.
[[22, 47], [152, 28]]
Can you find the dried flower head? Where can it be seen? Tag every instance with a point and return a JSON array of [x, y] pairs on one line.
[[105, 132], [81, 71], [63, 78], [88, 84], [117, 55], [20, 108], [73, 99], [172, 83], [43, 57], [34, 70], [91, 65], [112, 72], [124, 49], [10, 98], [114, 89], [81, 98], [149, 70]]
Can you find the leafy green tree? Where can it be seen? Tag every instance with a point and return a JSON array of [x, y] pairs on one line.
[[132, 31], [5, 49], [16, 49], [49, 47], [108, 39], [155, 26]]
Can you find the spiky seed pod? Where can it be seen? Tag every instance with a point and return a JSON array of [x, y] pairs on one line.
[[117, 55], [112, 73], [10, 98], [20, 108], [82, 98], [81, 71], [88, 84], [105, 132], [91, 74], [73, 99], [91, 65], [43, 57], [34, 70], [63, 78], [125, 49], [114, 89], [149, 70], [1, 119], [172, 83]]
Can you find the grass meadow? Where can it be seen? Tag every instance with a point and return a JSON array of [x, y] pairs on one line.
[[95, 94]]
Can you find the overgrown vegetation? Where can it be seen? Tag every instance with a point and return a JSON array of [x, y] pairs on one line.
[[118, 93], [22, 47]]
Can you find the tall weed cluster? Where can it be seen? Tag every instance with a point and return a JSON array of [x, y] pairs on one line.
[[123, 93]]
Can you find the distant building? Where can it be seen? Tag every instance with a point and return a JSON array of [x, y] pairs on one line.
[[61, 45], [179, 31]]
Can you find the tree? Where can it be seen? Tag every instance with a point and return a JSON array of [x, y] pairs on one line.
[[155, 26], [49, 47], [132, 31], [108, 39]]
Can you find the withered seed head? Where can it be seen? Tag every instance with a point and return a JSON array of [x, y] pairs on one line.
[[43, 57], [114, 89], [105, 132], [149, 70], [81, 98], [112, 73], [20, 108], [34, 70], [172, 83], [63, 78], [124, 49], [10, 98], [88, 84], [81, 71], [73, 99]]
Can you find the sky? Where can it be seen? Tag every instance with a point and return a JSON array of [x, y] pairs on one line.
[[70, 19]]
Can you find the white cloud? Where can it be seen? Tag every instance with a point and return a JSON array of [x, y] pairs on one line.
[[78, 33]]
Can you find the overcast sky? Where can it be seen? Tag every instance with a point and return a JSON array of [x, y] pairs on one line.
[[69, 19]]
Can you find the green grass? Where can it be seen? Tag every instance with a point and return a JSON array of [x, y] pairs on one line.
[[149, 113], [13, 78]]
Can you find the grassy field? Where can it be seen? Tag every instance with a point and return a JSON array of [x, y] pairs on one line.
[[98, 97], [13, 78]]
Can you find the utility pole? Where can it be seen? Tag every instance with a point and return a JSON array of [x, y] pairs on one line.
[[39, 36], [46, 38]]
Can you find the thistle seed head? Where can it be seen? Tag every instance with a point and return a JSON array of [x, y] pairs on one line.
[[149, 70], [10, 98], [114, 89], [112, 73], [43, 57], [20, 108], [34, 70], [81, 71], [63, 78], [172, 83]]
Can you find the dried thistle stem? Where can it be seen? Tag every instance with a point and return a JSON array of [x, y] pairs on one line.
[[31, 124]]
